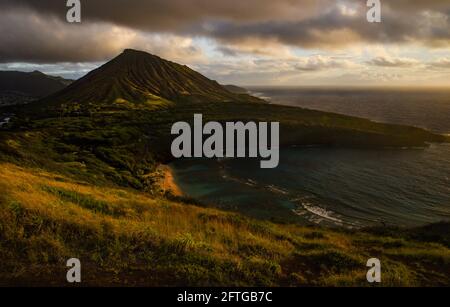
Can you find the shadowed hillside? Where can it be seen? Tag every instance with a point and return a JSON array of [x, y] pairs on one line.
[[23, 87]]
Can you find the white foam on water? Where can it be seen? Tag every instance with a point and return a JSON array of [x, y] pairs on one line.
[[277, 189], [251, 183], [321, 212]]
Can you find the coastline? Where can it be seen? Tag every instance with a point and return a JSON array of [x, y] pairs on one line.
[[167, 182]]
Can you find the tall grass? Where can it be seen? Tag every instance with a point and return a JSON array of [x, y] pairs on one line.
[[126, 237]]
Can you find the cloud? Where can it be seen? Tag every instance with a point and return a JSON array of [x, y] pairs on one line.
[[256, 48], [269, 70], [441, 64], [158, 15], [319, 63], [28, 37], [393, 62], [253, 41], [336, 28], [37, 31]]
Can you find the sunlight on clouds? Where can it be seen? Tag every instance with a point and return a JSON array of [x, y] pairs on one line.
[[257, 42], [347, 10]]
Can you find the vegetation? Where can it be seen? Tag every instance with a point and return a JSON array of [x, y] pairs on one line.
[[79, 175], [126, 237]]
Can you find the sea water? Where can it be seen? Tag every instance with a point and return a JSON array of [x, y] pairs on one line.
[[339, 186]]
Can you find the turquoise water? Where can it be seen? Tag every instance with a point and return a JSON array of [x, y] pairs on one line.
[[336, 186]]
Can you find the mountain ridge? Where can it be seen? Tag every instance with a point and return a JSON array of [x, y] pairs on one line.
[[17, 87]]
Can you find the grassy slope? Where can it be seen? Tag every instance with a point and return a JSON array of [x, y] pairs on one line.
[[82, 185], [126, 237]]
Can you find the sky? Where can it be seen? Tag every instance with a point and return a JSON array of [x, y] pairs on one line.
[[243, 42]]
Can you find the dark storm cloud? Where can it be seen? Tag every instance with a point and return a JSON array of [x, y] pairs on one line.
[[159, 15], [334, 29], [27, 36], [37, 31]]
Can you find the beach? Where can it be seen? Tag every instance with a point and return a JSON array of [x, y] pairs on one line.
[[167, 182]]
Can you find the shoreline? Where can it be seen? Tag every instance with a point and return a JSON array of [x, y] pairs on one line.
[[167, 182]]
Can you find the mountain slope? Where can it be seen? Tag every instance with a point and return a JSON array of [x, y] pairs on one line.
[[136, 76], [22, 87]]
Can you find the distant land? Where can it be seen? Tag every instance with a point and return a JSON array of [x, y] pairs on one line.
[[23, 87], [236, 89]]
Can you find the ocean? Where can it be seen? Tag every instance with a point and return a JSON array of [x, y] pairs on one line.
[[339, 187]]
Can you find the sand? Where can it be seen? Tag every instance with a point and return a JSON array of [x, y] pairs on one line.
[[168, 183]]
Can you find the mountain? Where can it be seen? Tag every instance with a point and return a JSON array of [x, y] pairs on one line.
[[138, 77], [22, 87]]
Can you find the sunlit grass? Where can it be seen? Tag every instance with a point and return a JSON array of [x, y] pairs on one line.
[[47, 218]]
